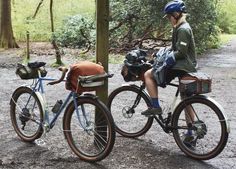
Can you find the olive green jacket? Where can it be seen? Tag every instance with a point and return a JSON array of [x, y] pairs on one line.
[[183, 46]]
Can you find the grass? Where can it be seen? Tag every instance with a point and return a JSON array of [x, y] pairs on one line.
[[40, 28], [225, 38]]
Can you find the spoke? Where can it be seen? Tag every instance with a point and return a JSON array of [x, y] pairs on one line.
[[96, 133], [101, 147]]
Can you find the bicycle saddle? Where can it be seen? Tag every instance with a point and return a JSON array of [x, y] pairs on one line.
[[36, 64]]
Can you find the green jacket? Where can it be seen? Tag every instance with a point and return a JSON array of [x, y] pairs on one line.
[[183, 46]]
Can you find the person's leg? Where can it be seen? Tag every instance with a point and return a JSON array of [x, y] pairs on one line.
[[151, 84], [152, 88], [153, 93]]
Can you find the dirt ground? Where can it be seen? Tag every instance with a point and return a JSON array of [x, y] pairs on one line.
[[154, 150]]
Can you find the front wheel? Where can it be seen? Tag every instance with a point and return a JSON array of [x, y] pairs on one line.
[[126, 104], [26, 114], [200, 128], [89, 129]]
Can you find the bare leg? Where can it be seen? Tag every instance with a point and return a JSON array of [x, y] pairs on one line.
[[151, 84], [189, 112]]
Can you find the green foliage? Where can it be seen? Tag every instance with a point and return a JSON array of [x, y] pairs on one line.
[[134, 19], [138, 18], [225, 38], [77, 32], [227, 17], [203, 20], [130, 21], [40, 28]]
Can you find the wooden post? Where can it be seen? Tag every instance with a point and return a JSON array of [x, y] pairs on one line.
[[27, 45], [102, 52], [102, 41]]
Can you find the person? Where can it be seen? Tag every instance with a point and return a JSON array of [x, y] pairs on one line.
[[183, 47]]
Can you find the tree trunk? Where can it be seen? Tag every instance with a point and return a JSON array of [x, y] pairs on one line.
[[58, 54], [7, 39]]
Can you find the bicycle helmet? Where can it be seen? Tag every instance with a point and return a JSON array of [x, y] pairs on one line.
[[175, 6]]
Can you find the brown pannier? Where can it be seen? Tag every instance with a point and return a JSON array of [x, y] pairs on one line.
[[195, 83], [79, 73]]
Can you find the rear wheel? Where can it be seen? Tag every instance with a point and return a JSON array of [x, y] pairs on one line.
[[126, 104], [90, 131], [26, 114], [201, 128]]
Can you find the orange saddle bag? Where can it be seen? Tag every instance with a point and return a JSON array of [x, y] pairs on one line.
[[80, 77]]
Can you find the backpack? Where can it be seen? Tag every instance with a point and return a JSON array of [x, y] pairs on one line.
[[78, 74]]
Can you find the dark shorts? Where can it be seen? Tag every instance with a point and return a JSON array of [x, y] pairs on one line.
[[173, 73]]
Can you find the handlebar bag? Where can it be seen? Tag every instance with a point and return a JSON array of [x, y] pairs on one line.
[[78, 78], [25, 72], [195, 83], [134, 72]]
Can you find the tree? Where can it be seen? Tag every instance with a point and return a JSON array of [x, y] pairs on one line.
[[7, 39], [134, 21], [58, 55]]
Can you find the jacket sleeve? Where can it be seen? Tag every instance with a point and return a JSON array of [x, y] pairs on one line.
[[182, 44]]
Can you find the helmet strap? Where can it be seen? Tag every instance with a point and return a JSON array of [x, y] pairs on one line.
[[177, 17]]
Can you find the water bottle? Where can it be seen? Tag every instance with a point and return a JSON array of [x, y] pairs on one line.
[[57, 106]]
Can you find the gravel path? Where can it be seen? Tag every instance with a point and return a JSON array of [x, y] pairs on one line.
[[155, 149]]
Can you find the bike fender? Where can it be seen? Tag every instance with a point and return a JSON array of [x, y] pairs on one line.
[[88, 95], [214, 102], [223, 112], [41, 100]]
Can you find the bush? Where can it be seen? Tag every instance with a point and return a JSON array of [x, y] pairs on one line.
[[203, 20], [136, 19], [77, 32]]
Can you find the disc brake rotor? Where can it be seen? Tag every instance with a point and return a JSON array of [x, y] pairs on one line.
[[201, 128], [127, 112]]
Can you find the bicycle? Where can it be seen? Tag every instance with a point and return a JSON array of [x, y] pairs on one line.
[[209, 125], [90, 138]]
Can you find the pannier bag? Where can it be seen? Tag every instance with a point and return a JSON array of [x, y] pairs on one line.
[[134, 66], [85, 76], [25, 72], [195, 83]]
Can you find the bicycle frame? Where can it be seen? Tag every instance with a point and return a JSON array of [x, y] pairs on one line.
[[38, 88], [164, 123]]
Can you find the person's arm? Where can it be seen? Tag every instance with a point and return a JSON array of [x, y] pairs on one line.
[[182, 44]]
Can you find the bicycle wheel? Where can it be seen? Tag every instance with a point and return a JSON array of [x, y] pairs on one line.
[[203, 119], [126, 105], [26, 114], [90, 138]]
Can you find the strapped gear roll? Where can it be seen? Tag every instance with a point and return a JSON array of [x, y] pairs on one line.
[[85, 76]]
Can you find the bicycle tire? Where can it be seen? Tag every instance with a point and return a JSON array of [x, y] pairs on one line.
[[26, 114], [120, 104], [210, 134], [101, 132]]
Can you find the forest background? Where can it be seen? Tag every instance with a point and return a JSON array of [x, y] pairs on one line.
[[133, 23]]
